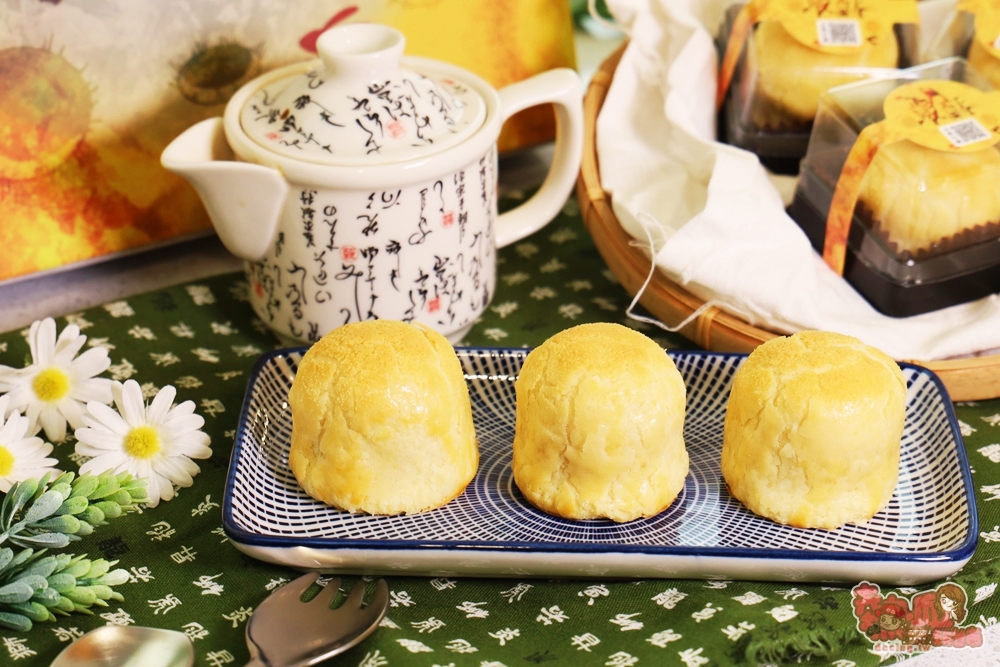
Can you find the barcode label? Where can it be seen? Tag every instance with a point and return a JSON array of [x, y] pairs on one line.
[[965, 132], [839, 32]]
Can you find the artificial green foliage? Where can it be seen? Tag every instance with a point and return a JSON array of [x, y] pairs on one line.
[[38, 587], [49, 514], [803, 639]]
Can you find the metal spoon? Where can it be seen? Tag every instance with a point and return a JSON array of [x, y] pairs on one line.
[[128, 646]]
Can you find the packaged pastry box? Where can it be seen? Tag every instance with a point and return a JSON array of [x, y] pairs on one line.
[[900, 187], [973, 32], [784, 53]]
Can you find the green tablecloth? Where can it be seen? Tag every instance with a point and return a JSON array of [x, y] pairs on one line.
[[203, 338]]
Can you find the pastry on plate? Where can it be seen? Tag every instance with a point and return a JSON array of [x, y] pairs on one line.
[[812, 430], [599, 425], [382, 420]]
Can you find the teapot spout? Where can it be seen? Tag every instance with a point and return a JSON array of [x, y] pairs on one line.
[[243, 200]]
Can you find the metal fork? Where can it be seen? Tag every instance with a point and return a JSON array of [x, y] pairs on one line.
[[286, 632]]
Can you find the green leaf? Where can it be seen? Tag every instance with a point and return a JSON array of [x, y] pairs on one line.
[[111, 510], [19, 494], [36, 581], [94, 516], [98, 568], [102, 592], [45, 505], [114, 578], [18, 591], [81, 596], [78, 567], [42, 486], [43, 567], [6, 556], [85, 529], [62, 489], [84, 486], [17, 622], [47, 597], [65, 605], [138, 496], [61, 523], [107, 485], [33, 610], [121, 497], [74, 505], [42, 540], [65, 478], [22, 557], [63, 582]]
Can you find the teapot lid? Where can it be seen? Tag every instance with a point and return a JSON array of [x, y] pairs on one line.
[[359, 106]]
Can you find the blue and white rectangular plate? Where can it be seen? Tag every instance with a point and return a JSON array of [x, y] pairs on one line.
[[928, 530]]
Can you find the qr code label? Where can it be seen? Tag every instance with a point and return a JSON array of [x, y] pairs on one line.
[[965, 132], [839, 32]]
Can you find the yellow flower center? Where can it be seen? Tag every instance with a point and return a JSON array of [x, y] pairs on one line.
[[6, 461], [142, 442], [51, 385]]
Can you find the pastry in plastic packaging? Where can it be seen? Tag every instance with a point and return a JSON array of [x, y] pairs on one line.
[[779, 56], [900, 188]]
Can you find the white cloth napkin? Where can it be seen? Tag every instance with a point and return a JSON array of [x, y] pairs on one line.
[[715, 217]]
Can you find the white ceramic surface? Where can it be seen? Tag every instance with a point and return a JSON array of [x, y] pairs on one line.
[[379, 206], [927, 531]]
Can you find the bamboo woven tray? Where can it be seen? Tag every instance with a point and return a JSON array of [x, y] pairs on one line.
[[967, 379]]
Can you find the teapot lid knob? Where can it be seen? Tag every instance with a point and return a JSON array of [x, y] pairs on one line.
[[364, 51]]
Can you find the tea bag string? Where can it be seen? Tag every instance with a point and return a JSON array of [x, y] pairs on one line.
[[645, 221]]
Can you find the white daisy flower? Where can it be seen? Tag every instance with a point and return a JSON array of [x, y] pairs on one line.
[[154, 443], [56, 387], [20, 457]]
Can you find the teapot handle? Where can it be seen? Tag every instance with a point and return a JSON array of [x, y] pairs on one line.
[[561, 87]]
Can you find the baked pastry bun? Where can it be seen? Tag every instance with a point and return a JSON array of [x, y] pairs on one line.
[[599, 425], [920, 198], [812, 430], [792, 76], [382, 420]]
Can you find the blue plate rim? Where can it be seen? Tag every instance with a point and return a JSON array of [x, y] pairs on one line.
[[961, 554]]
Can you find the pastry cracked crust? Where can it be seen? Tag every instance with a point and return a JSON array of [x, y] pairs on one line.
[[599, 425], [812, 430], [382, 420]]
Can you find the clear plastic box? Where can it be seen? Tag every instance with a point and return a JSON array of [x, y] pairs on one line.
[[926, 230], [957, 37], [772, 99]]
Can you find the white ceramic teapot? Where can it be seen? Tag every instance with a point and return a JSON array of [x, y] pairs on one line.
[[364, 185]]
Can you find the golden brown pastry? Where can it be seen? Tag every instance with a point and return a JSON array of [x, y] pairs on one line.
[[812, 430], [792, 76], [919, 197], [381, 420], [599, 425]]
